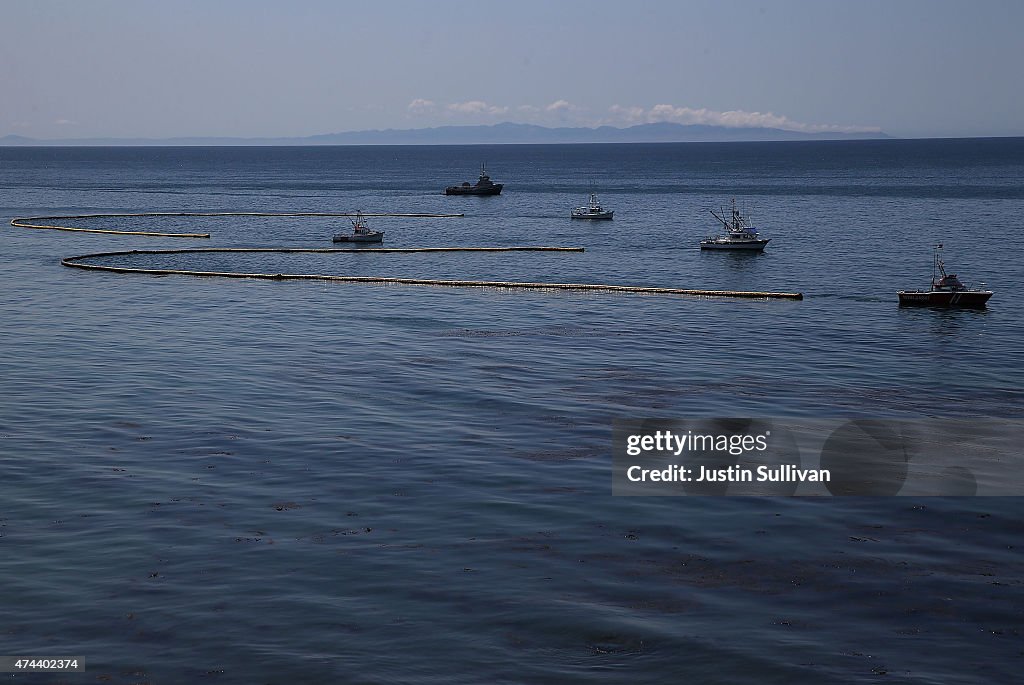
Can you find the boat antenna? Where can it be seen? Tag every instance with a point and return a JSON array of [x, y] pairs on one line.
[[936, 262], [736, 223]]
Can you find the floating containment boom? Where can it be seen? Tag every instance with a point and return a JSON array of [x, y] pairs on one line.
[[81, 262]]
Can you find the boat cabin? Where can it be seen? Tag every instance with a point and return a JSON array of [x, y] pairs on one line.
[[949, 282]]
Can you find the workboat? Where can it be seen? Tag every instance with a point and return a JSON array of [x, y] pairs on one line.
[[592, 211], [484, 186], [947, 290], [739, 234], [361, 233]]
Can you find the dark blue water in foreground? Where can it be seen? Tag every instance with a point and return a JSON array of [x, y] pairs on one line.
[[238, 481]]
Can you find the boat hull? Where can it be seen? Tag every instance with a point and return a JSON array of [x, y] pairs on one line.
[[938, 298], [746, 245], [374, 237], [473, 190], [596, 216]]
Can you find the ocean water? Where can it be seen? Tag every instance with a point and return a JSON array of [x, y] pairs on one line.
[[243, 481]]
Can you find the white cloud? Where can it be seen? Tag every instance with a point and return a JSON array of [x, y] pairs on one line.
[[65, 122], [627, 115], [421, 106], [560, 111], [476, 107], [563, 112], [560, 106], [730, 119]]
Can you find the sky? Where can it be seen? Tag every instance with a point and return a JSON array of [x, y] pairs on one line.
[[254, 68]]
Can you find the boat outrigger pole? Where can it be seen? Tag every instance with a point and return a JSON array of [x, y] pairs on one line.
[[720, 219], [735, 223]]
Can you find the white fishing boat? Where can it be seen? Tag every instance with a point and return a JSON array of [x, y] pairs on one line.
[[361, 233], [739, 234], [592, 211]]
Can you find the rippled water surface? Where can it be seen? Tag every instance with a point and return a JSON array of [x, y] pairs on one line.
[[243, 481]]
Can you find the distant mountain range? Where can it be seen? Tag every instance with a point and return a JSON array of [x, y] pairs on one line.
[[498, 134]]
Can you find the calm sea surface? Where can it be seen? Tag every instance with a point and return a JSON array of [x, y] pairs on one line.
[[240, 481]]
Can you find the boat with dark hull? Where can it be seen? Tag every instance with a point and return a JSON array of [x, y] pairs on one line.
[[947, 290], [483, 186]]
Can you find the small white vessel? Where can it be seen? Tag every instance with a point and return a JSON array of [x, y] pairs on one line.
[[361, 233], [592, 211], [739, 234]]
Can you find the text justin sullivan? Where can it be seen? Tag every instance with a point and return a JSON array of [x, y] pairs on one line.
[[733, 474]]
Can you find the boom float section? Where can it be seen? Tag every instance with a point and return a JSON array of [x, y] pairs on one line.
[[25, 222], [80, 262]]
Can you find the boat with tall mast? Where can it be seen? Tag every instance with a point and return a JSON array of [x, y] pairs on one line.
[[739, 234], [946, 291], [361, 233], [593, 211]]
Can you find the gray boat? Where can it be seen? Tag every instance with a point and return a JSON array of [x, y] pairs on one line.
[[592, 211], [739, 234], [361, 233]]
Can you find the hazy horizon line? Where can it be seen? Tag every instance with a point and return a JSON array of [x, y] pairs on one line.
[[786, 135], [639, 129]]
